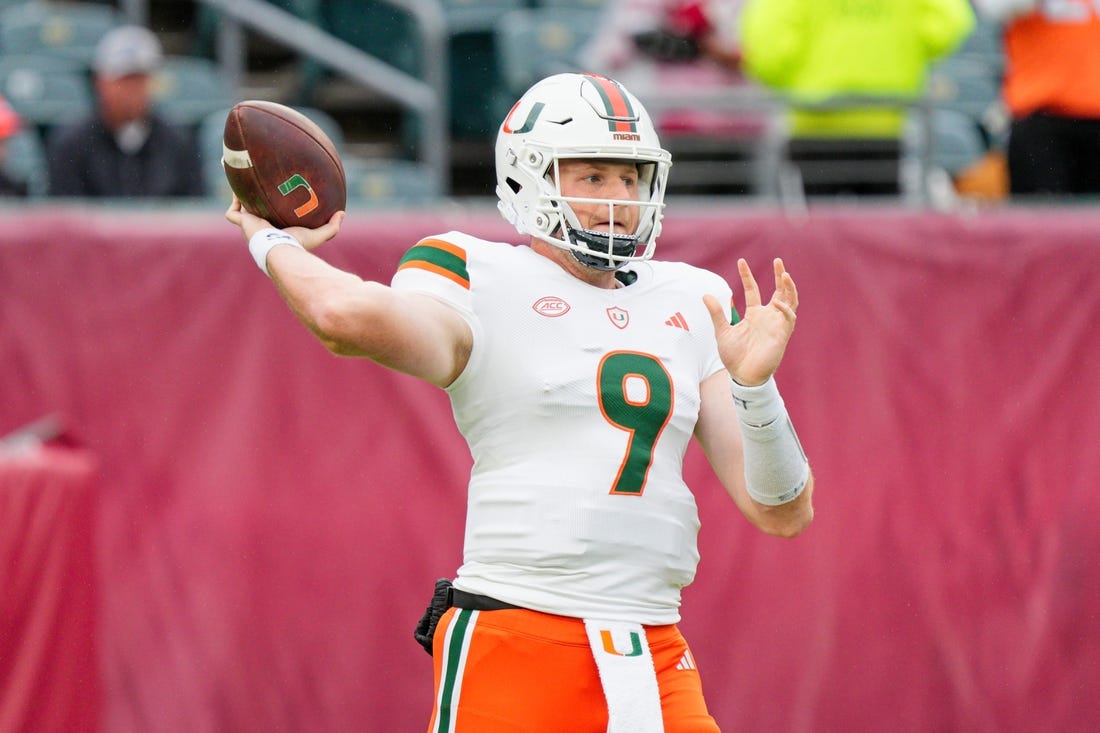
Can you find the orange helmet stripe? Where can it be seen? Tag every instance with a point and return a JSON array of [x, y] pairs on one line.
[[620, 112]]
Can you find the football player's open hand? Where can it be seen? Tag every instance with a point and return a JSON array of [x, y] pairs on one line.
[[752, 348]]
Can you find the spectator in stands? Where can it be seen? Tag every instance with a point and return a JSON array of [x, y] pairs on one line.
[[693, 29], [1052, 90], [9, 126], [815, 50], [124, 149], [665, 31]]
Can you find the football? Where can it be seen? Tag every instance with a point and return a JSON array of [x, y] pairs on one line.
[[281, 165]]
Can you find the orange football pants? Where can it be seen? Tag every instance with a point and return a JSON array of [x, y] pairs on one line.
[[520, 671]]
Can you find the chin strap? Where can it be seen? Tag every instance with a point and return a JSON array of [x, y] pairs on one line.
[[621, 245]]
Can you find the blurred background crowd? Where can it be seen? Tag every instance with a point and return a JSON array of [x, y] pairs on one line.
[[937, 101], [934, 102]]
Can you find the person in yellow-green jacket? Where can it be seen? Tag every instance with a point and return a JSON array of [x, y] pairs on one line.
[[817, 50]]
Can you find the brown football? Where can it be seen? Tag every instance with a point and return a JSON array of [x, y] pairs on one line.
[[282, 165]]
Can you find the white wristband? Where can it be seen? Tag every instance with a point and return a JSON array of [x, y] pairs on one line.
[[757, 406], [776, 469], [263, 241]]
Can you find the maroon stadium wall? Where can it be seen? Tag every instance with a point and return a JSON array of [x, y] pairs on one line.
[[260, 523]]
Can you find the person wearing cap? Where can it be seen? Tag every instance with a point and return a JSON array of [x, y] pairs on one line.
[[9, 127], [124, 148]]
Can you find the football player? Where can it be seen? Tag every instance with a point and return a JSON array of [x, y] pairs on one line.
[[578, 368]]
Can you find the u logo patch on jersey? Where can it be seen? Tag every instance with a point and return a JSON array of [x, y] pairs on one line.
[[619, 317]]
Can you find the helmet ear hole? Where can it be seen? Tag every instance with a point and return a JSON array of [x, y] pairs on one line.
[[513, 184]]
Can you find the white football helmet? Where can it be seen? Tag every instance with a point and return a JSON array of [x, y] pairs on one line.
[[579, 116]]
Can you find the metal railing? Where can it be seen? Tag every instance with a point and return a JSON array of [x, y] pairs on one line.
[[772, 177], [428, 97]]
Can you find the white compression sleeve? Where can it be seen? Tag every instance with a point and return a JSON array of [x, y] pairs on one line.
[[776, 469]]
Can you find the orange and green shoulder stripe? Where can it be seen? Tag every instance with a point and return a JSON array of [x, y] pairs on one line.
[[440, 257], [734, 315]]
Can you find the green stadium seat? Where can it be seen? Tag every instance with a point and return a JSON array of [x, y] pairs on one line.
[[26, 160], [476, 84], [391, 35], [536, 42], [957, 141], [71, 30], [380, 29], [969, 86], [463, 16], [46, 91], [328, 123], [390, 183], [188, 88], [572, 4], [984, 44]]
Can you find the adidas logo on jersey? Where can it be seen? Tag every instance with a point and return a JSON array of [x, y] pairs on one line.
[[686, 662], [678, 321]]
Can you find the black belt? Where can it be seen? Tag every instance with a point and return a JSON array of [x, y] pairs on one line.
[[474, 602]]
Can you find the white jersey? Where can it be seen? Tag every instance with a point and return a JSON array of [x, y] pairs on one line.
[[578, 404]]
